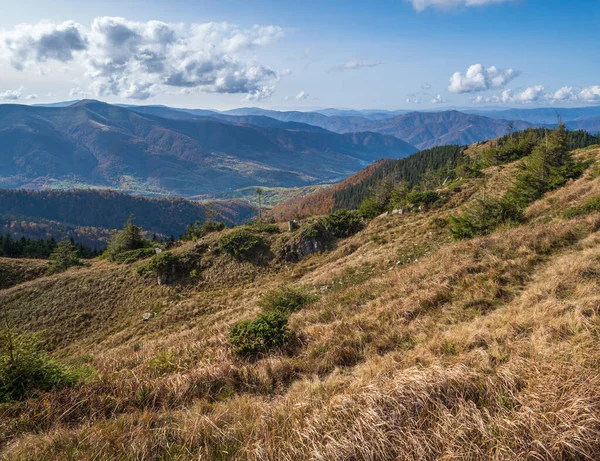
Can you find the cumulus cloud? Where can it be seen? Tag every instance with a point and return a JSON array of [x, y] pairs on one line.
[[263, 93], [30, 44], [354, 64], [140, 59], [529, 95], [11, 95], [438, 100], [569, 93], [301, 95], [31, 97], [421, 5], [479, 78]]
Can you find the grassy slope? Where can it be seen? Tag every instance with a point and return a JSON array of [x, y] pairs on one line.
[[16, 271], [418, 348]]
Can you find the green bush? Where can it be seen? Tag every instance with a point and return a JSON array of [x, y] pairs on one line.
[[64, 256], [343, 223], [263, 227], [482, 218], [25, 369], [370, 209], [287, 299], [163, 263], [128, 257], [128, 239], [417, 198], [199, 230], [591, 206], [243, 244], [268, 332]]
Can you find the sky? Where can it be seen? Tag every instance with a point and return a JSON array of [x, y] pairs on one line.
[[302, 55]]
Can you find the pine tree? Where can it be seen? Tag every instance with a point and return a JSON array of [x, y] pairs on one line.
[[64, 256]]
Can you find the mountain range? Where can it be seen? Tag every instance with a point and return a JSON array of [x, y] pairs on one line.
[[91, 143], [160, 150]]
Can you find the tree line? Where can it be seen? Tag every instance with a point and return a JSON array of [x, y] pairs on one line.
[[39, 248]]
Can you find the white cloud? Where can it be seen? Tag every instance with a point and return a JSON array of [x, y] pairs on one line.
[[590, 93], [12, 95], [412, 100], [438, 100], [31, 97], [302, 95], [421, 5], [480, 78], [29, 44], [354, 64], [262, 93], [529, 95], [569, 93], [137, 60]]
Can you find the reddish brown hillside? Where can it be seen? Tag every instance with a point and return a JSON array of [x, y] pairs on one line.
[[322, 202]]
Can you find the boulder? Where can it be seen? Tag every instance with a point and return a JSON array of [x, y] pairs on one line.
[[313, 239]]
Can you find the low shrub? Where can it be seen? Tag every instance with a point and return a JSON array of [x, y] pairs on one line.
[[370, 209], [285, 298], [199, 230], [591, 206], [163, 263], [128, 257], [482, 217], [264, 227], [268, 332], [343, 223], [243, 244], [25, 369]]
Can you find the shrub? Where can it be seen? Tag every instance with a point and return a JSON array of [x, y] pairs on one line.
[[199, 230], [343, 223], [25, 369], [163, 263], [128, 257], [268, 332], [591, 206], [128, 239], [482, 217], [65, 255], [243, 244], [163, 362], [264, 227], [417, 198], [285, 298], [370, 209]]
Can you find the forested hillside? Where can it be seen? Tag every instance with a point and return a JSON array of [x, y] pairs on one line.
[[351, 192], [89, 214], [411, 170]]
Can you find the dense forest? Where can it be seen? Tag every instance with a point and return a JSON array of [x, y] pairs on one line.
[[37, 248], [577, 139], [408, 170], [109, 209]]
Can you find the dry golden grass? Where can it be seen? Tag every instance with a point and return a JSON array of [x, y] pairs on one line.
[[16, 271], [418, 348]]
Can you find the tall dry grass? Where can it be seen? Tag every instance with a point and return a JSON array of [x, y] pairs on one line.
[[484, 349]]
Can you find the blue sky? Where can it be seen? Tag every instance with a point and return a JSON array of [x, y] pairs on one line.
[[413, 54]]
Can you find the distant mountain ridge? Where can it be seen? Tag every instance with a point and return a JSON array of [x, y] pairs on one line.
[[91, 143]]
